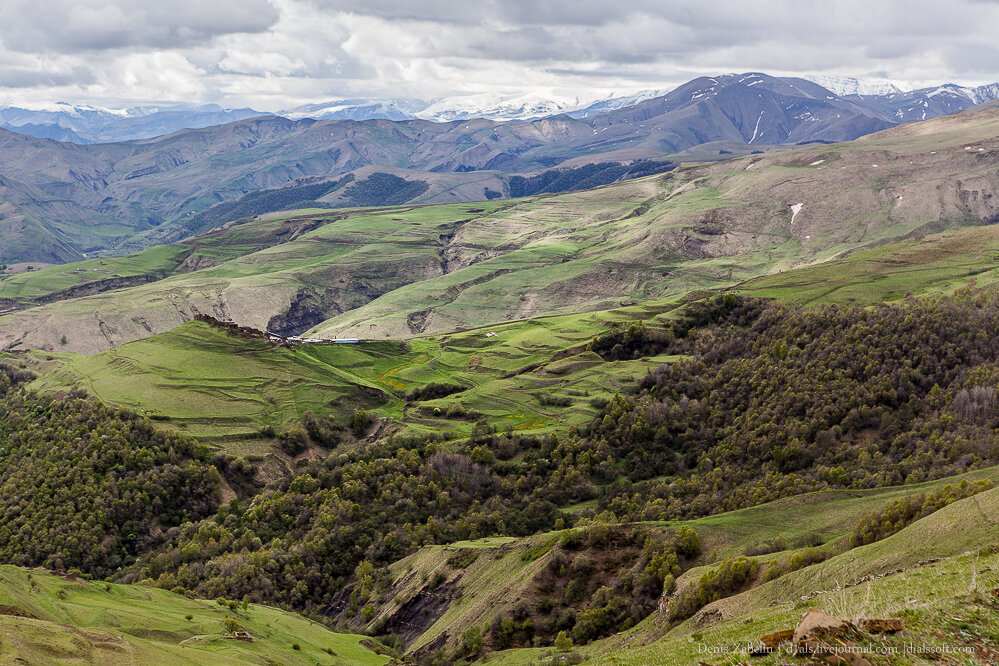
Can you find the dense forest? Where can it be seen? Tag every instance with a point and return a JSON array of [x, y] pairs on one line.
[[584, 177], [776, 400], [262, 201], [384, 189], [769, 401], [89, 487]]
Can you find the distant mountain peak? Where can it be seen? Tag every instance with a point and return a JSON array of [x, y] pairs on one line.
[[847, 85], [885, 100]]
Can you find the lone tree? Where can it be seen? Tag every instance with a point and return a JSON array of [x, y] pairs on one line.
[[231, 624]]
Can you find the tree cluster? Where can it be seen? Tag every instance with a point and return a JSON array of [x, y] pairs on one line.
[[907, 510], [86, 486]]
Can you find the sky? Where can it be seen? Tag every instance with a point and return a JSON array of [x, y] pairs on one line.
[[277, 54]]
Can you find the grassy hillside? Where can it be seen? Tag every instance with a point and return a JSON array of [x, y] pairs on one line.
[[937, 574], [946, 607], [61, 282], [531, 376], [51, 619], [404, 271], [440, 592], [935, 264]]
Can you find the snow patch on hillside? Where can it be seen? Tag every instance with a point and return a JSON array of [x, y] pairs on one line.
[[795, 209]]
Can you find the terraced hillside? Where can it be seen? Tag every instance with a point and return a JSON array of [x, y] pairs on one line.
[[535, 375], [391, 273], [532, 376]]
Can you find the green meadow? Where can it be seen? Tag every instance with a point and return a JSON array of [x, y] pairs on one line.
[[532, 376]]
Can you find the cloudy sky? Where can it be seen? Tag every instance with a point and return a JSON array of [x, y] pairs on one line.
[[275, 54]]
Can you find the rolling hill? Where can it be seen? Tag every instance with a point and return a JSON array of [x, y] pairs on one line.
[[936, 575], [58, 618], [119, 197], [505, 572], [416, 270]]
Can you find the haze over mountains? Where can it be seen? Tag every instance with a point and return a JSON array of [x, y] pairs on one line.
[[63, 200]]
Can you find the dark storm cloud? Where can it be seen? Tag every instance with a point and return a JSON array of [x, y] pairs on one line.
[[67, 26], [22, 77]]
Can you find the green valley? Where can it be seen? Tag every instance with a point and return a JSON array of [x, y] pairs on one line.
[[399, 272], [630, 424]]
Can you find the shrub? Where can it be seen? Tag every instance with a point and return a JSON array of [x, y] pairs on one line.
[[462, 558], [730, 576], [471, 641], [294, 441], [774, 545], [777, 567], [562, 642], [905, 511], [231, 624], [434, 390], [360, 422]]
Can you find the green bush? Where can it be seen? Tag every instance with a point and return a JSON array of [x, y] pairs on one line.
[[777, 567], [774, 545], [907, 510], [434, 390], [730, 576], [462, 558]]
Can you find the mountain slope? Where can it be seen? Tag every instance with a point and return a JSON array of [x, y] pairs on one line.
[[87, 124], [411, 270], [161, 182], [937, 575], [490, 577], [50, 618]]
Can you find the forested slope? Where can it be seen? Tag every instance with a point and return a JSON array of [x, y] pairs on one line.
[[774, 401], [86, 486]]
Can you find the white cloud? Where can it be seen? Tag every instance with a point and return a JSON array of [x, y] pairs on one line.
[[270, 63], [277, 53], [167, 76]]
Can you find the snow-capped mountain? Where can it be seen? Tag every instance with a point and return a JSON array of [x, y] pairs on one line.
[[612, 103], [883, 100], [80, 123], [499, 107], [845, 85], [358, 109], [983, 94]]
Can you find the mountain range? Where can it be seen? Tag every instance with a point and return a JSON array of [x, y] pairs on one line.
[[88, 124], [60, 201]]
